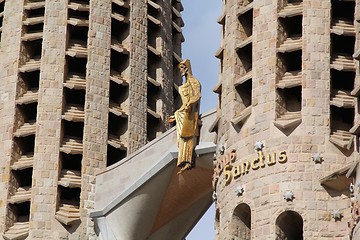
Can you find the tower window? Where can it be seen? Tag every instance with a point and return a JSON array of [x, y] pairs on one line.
[[289, 226], [241, 222]]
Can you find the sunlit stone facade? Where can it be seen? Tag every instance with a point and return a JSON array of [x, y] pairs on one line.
[[83, 83], [288, 120]]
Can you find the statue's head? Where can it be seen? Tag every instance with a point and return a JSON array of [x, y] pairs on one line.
[[185, 67]]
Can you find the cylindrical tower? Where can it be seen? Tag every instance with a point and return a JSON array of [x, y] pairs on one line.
[[83, 83], [288, 119]]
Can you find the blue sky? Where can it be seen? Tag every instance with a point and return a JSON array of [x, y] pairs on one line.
[[202, 39]]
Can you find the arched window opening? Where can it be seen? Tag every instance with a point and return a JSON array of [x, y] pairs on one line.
[[241, 223], [289, 226]]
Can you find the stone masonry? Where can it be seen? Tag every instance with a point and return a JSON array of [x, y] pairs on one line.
[[288, 91], [83, 85]]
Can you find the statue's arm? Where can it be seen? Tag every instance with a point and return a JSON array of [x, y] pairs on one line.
[[171, 119]]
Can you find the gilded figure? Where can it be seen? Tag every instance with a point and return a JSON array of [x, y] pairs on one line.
[[187, 117]]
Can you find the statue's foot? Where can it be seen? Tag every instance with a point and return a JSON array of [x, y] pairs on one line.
[[181, 171], [187, 166]]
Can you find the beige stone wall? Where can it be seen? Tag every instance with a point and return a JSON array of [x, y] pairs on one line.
[[56, 93], [264, 187], [137, 106], [166, 94], [9, 45], [96, 103], [356, 195]]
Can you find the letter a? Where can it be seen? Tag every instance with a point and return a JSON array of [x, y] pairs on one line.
[[236, 171]]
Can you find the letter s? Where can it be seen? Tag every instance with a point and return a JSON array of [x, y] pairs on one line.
[[227, 174], [282, 157]]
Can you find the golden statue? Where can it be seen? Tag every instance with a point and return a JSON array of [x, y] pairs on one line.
[[186, 117]]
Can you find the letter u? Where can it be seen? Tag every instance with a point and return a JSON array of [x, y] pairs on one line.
[[271, 159]]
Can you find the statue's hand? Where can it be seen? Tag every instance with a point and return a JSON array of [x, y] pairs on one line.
[[171, 119]]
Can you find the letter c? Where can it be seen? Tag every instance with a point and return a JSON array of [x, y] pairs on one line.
[[254, 162]]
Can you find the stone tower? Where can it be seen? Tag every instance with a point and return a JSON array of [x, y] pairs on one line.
[[83, 83], [288, 120]]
